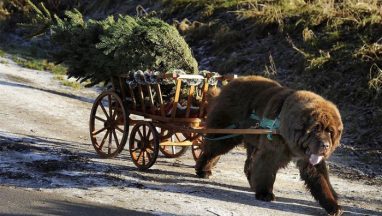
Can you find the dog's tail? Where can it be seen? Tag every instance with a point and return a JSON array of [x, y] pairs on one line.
[[211, 96]]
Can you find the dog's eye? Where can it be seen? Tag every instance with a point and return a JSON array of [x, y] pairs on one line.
[[330, 131], [316, 128]]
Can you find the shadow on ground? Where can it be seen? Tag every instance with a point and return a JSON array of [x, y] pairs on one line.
[[34, 203]]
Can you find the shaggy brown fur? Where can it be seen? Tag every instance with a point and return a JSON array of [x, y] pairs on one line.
[[309, 125]]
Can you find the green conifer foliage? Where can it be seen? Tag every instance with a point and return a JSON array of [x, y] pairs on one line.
[[95, 50]]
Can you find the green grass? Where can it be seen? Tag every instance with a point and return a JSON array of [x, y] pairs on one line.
[[40, 64], [59, 69], [74, 85], [29, 63], [43, 65], [319, 61], [31, 57]]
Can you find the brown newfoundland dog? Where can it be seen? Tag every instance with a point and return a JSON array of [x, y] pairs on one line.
[[310, 130]]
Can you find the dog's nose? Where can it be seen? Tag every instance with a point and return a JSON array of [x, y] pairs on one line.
[[325, 145]]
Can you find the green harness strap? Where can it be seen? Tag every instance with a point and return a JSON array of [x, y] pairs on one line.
[[264, 123]]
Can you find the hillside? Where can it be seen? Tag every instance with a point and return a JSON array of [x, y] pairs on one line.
[[331, 47]]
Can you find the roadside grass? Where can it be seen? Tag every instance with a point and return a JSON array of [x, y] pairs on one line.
[[73, 84], [24, 57], [375, 81], [39, 64], [30, 63], [34, 57], [58, 71], [2, 55]]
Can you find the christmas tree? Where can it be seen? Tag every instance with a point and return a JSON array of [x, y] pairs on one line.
[[96, 50]]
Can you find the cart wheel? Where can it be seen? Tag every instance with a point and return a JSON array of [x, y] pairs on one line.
[[144, 145], [164, 133], [172, 151], [197, 142], [109, 125]]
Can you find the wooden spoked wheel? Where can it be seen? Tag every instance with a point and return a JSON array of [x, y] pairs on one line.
[[197, 142], [144, 145], [109, 125], [172, 151]]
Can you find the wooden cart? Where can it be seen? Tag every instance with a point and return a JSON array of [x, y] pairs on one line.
[[163, 125]]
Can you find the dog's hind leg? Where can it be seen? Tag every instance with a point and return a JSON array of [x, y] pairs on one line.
[[211, 151]]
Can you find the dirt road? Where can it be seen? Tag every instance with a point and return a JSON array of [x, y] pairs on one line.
[[45, 148]]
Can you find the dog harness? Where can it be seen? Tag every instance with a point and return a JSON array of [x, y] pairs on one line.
[[262, 123], [266, 123]]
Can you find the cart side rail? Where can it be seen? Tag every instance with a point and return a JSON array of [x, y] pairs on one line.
[[147, 98]]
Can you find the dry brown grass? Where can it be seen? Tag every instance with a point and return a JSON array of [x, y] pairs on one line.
[[375, 79]]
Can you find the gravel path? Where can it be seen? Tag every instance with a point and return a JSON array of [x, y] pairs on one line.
[[45, 147]]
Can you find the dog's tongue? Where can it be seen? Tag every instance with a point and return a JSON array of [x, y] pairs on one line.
[[315, 159]]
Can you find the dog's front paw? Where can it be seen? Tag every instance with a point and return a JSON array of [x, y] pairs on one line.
[[265, 196], [203, 174], [337, 212]]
